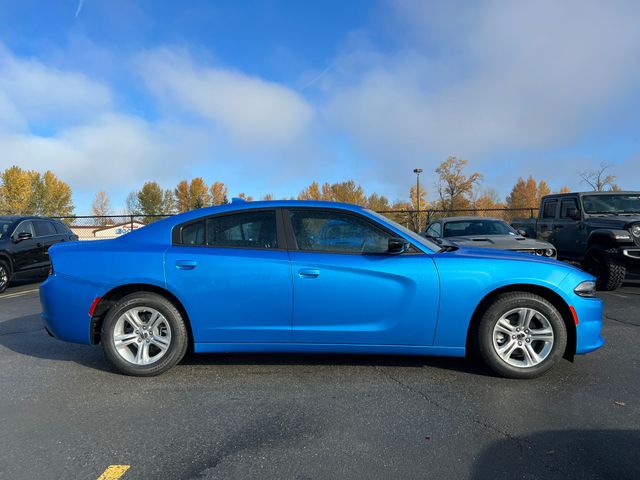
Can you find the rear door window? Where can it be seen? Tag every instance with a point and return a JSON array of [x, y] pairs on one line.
[[44, 228], [257, 229]]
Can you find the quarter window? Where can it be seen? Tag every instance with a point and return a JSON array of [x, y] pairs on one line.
[[549, 209], [337, 232], [244, 230], [193, 234]]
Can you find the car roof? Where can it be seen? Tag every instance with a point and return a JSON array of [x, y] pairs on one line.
[[158, 228], [610, 192], [23, 217], [463, 219]]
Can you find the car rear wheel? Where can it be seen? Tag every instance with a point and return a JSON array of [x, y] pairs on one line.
[[521, 335], [144, 334], [5, 276], [605, 265]]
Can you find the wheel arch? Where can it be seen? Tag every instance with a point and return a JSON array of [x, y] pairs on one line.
[[112, 296], [555, 299]]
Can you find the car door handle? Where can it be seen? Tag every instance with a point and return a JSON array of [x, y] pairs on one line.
[[308, 273], [186, 264], [38, 244]]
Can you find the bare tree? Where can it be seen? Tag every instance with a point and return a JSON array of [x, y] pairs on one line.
[[101, 207], [598, 179]]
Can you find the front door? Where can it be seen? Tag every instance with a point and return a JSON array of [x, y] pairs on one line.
[[349, 290], [27, 253], [232, 273]]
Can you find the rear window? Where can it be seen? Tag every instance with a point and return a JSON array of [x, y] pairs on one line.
[[44, 228], [549, 209], [244, 230]]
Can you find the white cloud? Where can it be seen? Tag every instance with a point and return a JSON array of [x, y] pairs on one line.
[[255, 112], [32, 92], [477, 79]]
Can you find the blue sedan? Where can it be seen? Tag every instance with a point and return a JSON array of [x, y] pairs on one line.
[[315, 277]]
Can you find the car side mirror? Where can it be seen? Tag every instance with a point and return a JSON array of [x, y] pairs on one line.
[[397, 246], [23, 236], [522, 232]]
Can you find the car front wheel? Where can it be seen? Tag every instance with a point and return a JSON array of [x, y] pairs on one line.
[[521, 335], [144, 334]]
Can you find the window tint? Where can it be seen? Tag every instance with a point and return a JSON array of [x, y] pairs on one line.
[[61, 228], [44, 228], [549, 210], [193, 234], [434, 230], [337, 232], [247, 230], [25, 227], [566, 206]]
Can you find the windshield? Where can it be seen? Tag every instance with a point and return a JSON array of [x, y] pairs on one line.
[[614, 203], [4, 228], [413, 235], [464, 228]]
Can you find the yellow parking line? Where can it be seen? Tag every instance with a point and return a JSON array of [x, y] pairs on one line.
[[114, 472]]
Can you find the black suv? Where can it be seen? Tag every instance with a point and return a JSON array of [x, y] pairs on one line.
[[24, 242], [599, 229]]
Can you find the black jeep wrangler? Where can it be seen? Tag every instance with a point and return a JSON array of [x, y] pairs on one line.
[[24, 242], [599, 229]]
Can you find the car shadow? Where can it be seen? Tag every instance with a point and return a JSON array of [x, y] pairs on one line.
[[562, 454], [26, 335]]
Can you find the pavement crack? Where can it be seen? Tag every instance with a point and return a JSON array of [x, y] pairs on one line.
[[625, 322], [3, 334]]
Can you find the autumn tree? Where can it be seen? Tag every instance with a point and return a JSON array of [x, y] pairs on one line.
[[192, 195], [527, 193], [564, 189], [101, 207], [486, 204], [268, 196], [152, 200], [219, 193], [378, 203], [454, 187], [15, 191], [312, 192], [245, 197], [27, 192]]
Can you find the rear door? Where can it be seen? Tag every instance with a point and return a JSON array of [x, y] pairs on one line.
[[348, 290], [232, 273], [47, 236]]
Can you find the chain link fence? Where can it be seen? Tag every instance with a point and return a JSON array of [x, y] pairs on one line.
[[89, 227]]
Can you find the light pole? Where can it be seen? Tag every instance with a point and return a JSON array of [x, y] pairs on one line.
[[418, 171]]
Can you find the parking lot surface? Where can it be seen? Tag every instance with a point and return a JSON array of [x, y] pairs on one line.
[[65, 413]]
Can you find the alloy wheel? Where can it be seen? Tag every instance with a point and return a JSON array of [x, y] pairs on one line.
[[142, 335], [523, 337]]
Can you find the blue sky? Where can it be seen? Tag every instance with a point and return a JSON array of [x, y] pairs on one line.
[[269, 95]]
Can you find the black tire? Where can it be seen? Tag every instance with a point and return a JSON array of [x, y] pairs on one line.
[[5, 276], [606, 266], [178, 341], [503, 305]]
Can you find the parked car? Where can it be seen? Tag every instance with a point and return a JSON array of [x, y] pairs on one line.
[[601, 230], [485, 232], [24, 243], [256, 277]]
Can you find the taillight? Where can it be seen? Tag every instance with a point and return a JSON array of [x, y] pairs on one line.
[[50, 269]]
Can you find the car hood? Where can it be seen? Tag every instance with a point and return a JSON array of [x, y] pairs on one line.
[[507, 255], [504, 242], [613, 221]]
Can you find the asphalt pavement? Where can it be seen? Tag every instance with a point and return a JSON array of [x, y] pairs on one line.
[[65, 413]]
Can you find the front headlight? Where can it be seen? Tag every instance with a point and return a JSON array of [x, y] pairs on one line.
[[550, 252], [635, 230], [586, 289]]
